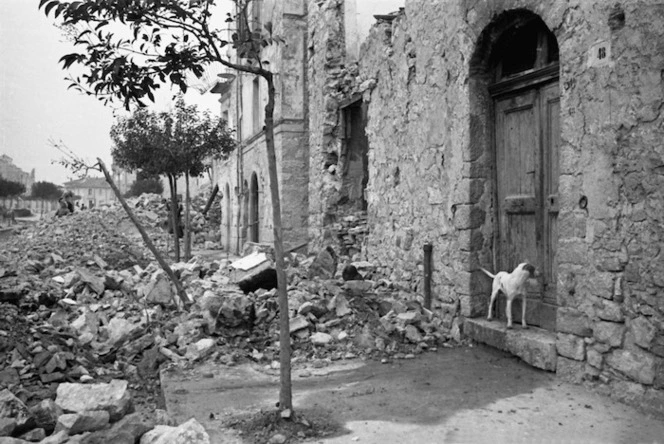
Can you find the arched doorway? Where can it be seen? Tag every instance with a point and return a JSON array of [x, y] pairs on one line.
[[517, 98], [253, 209], [229, 217]]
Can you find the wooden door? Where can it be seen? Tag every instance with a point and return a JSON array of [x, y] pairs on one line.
[[527, 139]]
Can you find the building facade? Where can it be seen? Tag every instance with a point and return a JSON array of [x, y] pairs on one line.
[[243, 179], [501, 132], [495, 132], [91, 191]]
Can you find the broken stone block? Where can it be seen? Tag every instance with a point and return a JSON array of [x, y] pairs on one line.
[[358, 288], [317, 309], [339, 304], [320, 338], [298, 323], [191, 432], [112, 397], [413, 334], [9, 376], [324, 265], [200, 349], [407, 318], [46, 414], [127, 430], [119, 329], [88, 421], [12, 408], [57, 438], [160, 292], [95, 283], [34, 435], [7, 426]]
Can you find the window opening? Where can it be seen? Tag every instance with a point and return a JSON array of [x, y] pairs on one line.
[[525, 47]]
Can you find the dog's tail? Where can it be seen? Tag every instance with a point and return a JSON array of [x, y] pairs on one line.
[[492, 276]]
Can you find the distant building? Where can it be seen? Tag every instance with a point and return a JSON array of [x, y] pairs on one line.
[[91, 191], [9, 171], [123, 179]]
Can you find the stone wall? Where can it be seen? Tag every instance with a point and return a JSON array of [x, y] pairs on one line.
[[431, 178]]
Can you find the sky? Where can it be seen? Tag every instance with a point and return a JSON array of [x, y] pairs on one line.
[[35, 104]]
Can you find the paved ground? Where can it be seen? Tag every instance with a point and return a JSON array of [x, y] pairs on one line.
[[470, 394]]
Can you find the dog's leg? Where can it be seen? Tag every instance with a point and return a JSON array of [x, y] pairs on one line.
[[494, 293], [509, 312], [523, 311]]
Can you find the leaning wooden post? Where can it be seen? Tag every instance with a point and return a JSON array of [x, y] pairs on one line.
[[148, 242]]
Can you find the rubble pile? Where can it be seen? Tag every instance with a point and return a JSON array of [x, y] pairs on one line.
[[83, 303]]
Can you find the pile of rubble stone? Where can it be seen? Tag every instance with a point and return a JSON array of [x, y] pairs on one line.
[[84, 306]]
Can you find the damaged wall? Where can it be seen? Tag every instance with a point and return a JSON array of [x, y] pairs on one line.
[[431, 168]]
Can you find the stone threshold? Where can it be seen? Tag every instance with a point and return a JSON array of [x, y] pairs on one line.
[[534, 345]]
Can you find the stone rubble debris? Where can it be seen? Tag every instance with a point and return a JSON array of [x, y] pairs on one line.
[[92, 321]]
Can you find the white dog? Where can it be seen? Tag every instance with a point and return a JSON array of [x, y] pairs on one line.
[[511, 285]]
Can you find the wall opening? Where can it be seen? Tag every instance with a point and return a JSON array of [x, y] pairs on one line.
[[253, 209], [353, 160]]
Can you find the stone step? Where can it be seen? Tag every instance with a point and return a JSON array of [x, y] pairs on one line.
[[534, 345]]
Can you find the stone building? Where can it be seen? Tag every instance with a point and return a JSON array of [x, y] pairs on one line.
[[243, 179], [91, 191], [11, 172], [501, 132], [497, 132]]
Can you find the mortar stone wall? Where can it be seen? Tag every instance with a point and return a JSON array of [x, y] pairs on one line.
[[431, 181]]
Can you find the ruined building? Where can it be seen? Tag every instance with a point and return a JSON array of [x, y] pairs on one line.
[[498, 132]]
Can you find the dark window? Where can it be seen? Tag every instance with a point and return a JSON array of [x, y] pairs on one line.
[[525, 47]]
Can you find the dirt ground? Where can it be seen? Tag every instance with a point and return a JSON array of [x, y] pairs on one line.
[[464, 394]]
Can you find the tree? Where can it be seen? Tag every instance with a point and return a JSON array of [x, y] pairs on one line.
[[9, 188], [145, 184], [167, 40], [45, 190], [178, 143]]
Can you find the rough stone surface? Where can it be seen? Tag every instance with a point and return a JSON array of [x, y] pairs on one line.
[[46, 414], [571, 346], [570, 370], [573, 322], [88, 421], [15, 411], [637, 364], [644, 331], [112, 397], [190, 432], [536, 348], [609, 333]]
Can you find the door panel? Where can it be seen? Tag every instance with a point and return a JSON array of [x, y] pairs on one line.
[[527, 140]]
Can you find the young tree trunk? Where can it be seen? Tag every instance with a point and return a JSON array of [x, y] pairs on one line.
[[175, 224], [187, 225], [286, 393], [148, 242]]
